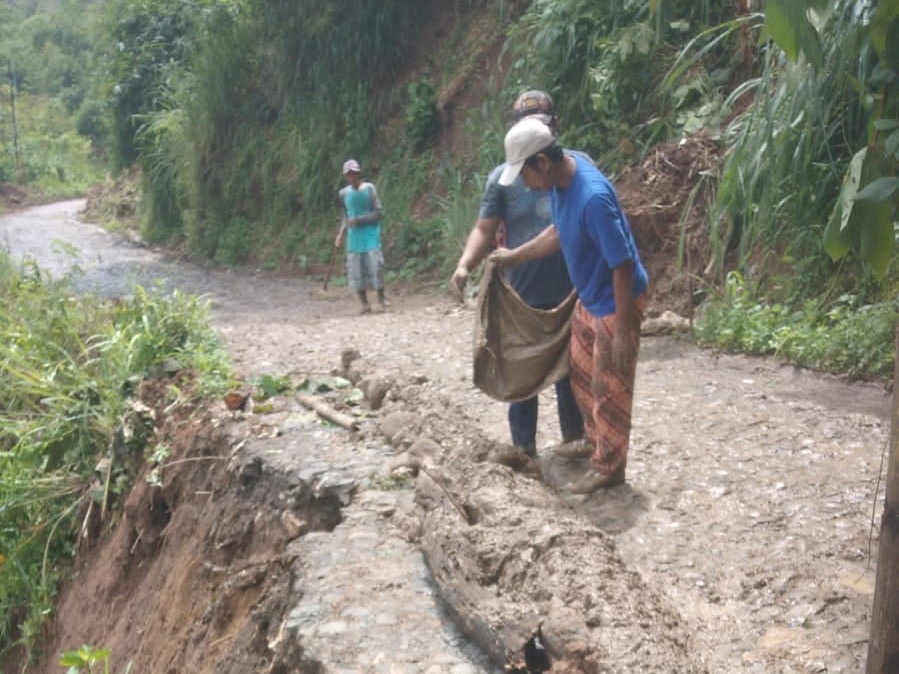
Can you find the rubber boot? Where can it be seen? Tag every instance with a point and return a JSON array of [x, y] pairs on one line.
[[382, 300], [363, 297], [594, 481]]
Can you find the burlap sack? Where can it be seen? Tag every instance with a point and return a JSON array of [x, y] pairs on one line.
[[518, 351]]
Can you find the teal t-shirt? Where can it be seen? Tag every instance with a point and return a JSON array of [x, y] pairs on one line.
[[359, 203]]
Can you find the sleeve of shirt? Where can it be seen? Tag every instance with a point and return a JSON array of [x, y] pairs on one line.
[[582, 155], [606, 226], [493, 203], [375, 200]]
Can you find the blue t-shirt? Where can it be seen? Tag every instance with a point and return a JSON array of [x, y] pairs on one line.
[[357, 203], [595, 236], [526, 213]]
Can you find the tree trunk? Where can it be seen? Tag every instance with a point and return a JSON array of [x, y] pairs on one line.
[[883, 646]]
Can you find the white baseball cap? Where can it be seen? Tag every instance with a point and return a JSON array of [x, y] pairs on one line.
[[351, 165], [525, 139]]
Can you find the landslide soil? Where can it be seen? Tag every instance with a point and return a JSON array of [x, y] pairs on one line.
[[751, 503]]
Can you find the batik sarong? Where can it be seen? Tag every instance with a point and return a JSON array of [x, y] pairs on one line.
[[607, 404]]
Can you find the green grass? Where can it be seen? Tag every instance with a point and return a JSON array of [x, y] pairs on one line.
[[840, 337], [70, 424]]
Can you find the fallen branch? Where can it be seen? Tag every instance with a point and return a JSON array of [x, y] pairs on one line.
[[327, 412]]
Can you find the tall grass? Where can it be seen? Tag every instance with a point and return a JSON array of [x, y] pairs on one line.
[[606, 63], [275, 99], [788, 145], [787, 154], [70, 369]]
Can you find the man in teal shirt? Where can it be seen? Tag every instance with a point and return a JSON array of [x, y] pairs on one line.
[[361, 225]]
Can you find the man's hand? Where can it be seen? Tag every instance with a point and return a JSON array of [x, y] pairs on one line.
[[338, 242], [503, 257], [624, 346], [458, 281]]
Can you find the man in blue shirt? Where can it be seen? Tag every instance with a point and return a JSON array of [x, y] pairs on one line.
[[602, 259], [543, 283]]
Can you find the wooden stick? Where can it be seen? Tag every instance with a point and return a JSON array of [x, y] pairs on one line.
[[326, 411], [330, 268]]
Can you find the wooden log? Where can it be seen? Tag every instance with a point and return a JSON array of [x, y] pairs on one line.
[[454, 573], [507, 557], [325, 411]]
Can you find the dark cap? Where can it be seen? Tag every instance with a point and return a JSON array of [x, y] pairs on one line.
[[534, 102]]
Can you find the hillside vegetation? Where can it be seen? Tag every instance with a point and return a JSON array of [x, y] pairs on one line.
[[236, 115]]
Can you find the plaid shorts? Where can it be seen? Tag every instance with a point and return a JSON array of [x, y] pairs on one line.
[[365, 270]]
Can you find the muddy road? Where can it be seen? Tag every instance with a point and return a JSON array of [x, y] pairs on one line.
[[751, 499]]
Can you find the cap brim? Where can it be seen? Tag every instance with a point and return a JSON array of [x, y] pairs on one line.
[[543, 117], [510, 173]]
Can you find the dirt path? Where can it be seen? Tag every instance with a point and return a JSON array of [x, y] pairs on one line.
[[751, 486]]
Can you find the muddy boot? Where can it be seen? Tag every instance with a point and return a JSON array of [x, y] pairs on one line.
[[366, 307], [508, 455], [594, 481], [528, 448], [578, 449], [382, 300]]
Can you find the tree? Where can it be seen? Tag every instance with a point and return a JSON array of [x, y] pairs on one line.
[[146, 43]]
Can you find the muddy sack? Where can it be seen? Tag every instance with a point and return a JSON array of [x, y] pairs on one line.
[[518, 350]]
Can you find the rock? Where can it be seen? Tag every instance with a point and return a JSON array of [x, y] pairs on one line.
[[295, 526], [405, 462], [425, 448], [358, 370], [347, 357], [236, 400], [375, 388], [668, 322], [250, 471], [391, 424], [507, 455]]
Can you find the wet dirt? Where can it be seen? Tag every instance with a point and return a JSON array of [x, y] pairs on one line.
[[751, 505]]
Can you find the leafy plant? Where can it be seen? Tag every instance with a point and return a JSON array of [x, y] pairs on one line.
[[324, 384], [146, 44], [841, 337], [393, 481], [269, 386], [87, 660], [789, 151], [156, 460]]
